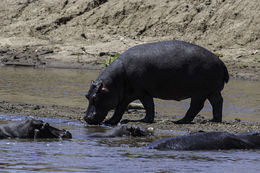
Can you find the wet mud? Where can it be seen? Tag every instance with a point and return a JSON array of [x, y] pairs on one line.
[[163, 126]]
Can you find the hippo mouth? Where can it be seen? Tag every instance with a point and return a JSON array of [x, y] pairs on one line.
[[65, 134], [93, 116], [93, 120]]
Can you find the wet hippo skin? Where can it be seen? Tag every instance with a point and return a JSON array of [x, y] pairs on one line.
[[31, 128], [209, 141]]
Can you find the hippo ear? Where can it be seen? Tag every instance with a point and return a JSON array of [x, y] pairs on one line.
[[104, 89], [87, 96]]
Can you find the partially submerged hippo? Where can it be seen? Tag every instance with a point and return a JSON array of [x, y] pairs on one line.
[[124, 130], [209, 141], [170, 70], [31, 128]]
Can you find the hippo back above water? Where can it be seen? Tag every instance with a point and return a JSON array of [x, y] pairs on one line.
[[170, 70], [209, 141]]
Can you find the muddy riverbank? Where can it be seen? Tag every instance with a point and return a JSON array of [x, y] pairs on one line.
[[163, 125], [60, 93], [246, 65]]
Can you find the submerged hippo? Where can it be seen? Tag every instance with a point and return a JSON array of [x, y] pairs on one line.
[[170, 70], [31, 128], [209, 141], [124, 130]]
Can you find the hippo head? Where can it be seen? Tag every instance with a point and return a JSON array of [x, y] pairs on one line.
[[100, 102], [47, 131], [31, 128]]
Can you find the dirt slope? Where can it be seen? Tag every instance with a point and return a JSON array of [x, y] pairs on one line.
[[78, 30]]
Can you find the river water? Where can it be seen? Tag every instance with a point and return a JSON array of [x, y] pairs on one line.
[[126, 154]]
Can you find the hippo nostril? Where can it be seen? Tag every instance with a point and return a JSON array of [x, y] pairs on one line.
[[45, 125]]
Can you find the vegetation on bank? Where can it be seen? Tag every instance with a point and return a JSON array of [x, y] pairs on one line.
[[219, 54], [110, 59]]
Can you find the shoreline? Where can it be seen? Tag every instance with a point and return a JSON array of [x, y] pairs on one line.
[[163, 125], [244, 66]]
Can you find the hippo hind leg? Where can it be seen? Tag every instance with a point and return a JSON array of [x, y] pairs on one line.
[[197, 103], [148, 103], [216, 101]]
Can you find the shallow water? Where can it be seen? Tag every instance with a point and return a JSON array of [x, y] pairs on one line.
[[85, 154], [68, 87]]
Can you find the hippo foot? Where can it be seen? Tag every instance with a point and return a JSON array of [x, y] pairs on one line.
[[183, 121], [110, 123], [215, 120], [146, 120]]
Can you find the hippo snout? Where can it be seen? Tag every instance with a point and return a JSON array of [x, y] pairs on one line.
[[66, 134], [47, 131], [92, 121], [93, 117]]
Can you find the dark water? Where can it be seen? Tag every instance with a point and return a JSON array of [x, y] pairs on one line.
[[85, 154]]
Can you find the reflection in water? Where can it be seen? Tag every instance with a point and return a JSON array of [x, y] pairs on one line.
[[68, 87], [45, 86], [84, 154]]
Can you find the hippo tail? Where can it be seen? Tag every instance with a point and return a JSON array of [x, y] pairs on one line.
[[226, 74]]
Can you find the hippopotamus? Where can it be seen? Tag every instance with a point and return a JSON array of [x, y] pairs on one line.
[[169, 70], [31, 128], [209, 141], [124, 130]]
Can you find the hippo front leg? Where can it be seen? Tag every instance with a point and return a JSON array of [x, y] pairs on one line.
[[119, 111]]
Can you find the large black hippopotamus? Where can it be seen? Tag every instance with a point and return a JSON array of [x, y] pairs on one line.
[[171, 70], [31, 128], [209, 141]]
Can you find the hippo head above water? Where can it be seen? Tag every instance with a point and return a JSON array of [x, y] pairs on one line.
[[47, 131], [31, 128]]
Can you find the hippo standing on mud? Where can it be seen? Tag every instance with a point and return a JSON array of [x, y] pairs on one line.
[[170, 70], [209, 141], [33, 129]]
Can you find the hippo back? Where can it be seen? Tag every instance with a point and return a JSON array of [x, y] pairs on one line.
[[173, 69]]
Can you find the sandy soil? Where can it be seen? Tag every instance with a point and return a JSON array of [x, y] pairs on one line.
[[83, 33]]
